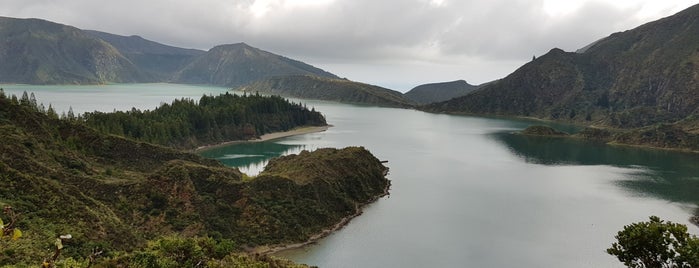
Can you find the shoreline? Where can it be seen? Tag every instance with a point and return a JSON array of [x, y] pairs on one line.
[[268, 137], [359, 210]]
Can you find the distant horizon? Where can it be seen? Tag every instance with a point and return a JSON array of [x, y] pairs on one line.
[[422, 42]]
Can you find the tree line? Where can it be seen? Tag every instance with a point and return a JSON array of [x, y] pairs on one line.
[[186, 123]]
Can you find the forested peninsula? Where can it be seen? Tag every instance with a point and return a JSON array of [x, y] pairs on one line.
[[119, 202], [187, 124]]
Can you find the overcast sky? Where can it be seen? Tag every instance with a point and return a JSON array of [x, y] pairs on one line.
[[392, 43]]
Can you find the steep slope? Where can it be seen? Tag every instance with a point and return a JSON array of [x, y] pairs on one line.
[[436, 92], [238, 64], [630, 79], [117, 194], [158, 60], [340, 90], [40, 52]]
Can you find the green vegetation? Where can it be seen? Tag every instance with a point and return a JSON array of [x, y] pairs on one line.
[[436, 92], [542, 131], [332, 89], [238, 64], [661, 136], [630, 80], [155, 59], [656, 243], [138, 204], [41, 52], [214, 119]]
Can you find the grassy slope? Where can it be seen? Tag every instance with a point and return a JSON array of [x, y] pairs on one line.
[[237, 64], [41, 52], [340, 90]]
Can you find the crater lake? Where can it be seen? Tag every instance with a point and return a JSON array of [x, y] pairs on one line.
[[466, 191]]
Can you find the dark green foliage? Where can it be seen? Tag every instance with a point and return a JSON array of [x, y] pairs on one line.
[[542, 131], [118, 194], [656, 243], [332, 89], [214, 119], [194, 252], [671, 136]]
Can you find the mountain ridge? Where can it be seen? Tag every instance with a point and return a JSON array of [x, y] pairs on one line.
[[332, 89], [441, 91], [238, 64], [36, 51], [636, 78]]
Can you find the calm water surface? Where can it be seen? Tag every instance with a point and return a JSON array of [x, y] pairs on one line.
[[465, 191]]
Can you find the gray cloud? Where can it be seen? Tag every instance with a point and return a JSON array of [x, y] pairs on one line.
[[404, 42]]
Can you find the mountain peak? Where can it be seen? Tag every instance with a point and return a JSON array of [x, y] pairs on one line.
[[630, 79]]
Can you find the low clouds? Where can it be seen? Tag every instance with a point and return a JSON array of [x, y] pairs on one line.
[[407, 42]]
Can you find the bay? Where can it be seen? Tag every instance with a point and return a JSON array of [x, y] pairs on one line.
[[466, 192]]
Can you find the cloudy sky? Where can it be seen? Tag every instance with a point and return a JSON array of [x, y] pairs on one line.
[[393, 43]]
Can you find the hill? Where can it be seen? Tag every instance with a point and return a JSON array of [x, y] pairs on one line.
[[156, 59], [35, 51], [147, 206], [41, 52], [631, 79], [437, 92], [237, 64], [332, 89]]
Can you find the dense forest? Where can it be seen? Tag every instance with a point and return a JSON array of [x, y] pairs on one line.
[[185, 123]]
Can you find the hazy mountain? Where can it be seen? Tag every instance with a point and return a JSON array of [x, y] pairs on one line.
[[630, 79], [333, 89], [36, 51], [41, 52], [436, 92], [157, 59], [238, 64]]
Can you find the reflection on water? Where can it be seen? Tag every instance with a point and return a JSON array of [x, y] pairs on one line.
[[251, 158], [669, 175]]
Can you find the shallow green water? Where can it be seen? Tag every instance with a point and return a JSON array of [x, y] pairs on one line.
[[465, 191]]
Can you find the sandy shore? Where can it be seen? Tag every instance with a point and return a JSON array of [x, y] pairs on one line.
[[270, 136], [271, 249]]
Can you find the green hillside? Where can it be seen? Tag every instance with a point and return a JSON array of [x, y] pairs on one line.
[[332, 89], [630, 79], [237, 64], [40, 52], [149, 206], [437, 92], [157, 60]]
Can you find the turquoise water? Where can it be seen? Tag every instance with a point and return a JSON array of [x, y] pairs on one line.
[[466, 192]]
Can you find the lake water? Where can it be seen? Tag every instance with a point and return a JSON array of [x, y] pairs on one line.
[[466, 192]]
